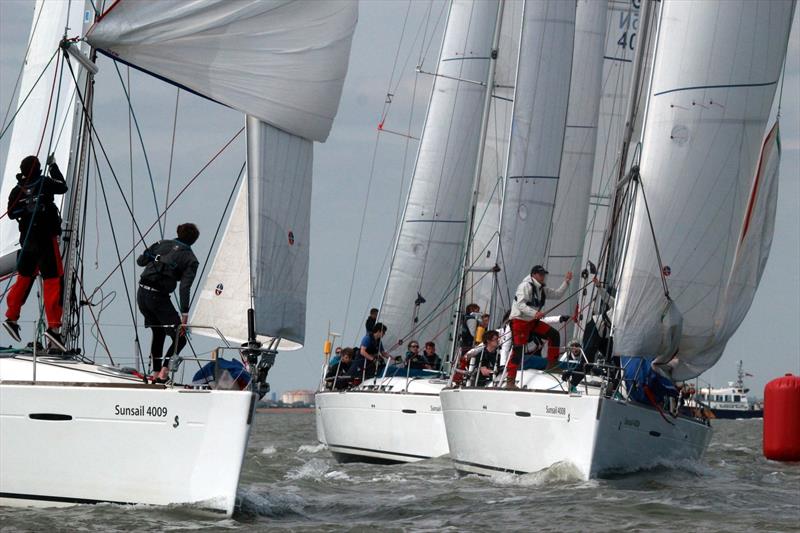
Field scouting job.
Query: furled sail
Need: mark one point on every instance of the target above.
(429, 245)
(537, 136)
(484, 247)
(272, 211)
(577, 162)
(37, 121)
(709, 178)
(283, 61)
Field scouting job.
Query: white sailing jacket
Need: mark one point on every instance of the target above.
(531, 296)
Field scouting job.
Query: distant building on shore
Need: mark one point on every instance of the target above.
(298, 398)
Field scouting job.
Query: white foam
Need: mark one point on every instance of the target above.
(311, 448)
(313, 469)
(268, 450)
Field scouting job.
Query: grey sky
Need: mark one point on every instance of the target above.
(768, 341)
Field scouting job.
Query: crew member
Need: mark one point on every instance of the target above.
(371, 349)
(414, 360)
(32, 204)
(483, 358)
(432, 359)
(371, 319)
(166, 263)
(526, 318)
(338, 375)
(469, 326)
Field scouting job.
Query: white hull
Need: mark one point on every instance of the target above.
(115, 440)
(523, 431)
(383, 425)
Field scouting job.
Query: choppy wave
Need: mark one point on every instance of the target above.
(311, 448)
(268, 450)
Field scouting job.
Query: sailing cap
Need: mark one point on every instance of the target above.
(538, 269)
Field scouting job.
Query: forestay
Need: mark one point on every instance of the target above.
(283, 61)
(537, 137)
(33, 125)
(709, 177)
(429, 245)
(577, 161)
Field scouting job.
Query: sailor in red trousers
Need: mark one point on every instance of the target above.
(526, 319)
(32, 204)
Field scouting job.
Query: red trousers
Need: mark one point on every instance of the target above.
(39, 257)
(521, 331)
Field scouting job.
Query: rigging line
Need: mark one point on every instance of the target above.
(141, 142)
(219, 226)
(24, 100)
(90, 121)
(22, 66)
(433, 32)
(425, 32)
(133, 196)
(171, 203)
(171, 145)
(101, 339)
(399, 46)
(113, 231)
(361, 231)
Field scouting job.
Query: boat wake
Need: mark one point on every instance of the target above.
(558, 473)
(311, 448)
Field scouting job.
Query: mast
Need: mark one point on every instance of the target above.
(487, 101)
(72, 210)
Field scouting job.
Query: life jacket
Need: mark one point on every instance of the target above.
(537, 302)
(466, 337)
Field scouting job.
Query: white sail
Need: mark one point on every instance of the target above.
(717, 65)
(622, 36)
(480, 281)
(429, 246)
(537, 137)
(279, 168)
(283, 61)
(577, 162)
(48, 110)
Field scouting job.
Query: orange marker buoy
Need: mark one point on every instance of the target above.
(782, 419)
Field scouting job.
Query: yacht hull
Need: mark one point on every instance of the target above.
(523, 431)
(381, 426)
(72, 443)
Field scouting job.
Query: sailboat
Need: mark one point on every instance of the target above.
(66, 420)
(447, 246)
(687, 239)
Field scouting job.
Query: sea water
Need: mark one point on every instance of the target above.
(291, 483)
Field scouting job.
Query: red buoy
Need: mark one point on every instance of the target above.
(782, 419)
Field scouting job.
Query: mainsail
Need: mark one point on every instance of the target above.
(577, 162)
(537, 137)
(708, 175)
(283, 63)
(41, 125)
(429, 245)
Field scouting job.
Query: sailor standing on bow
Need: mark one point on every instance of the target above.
(526, 318)
(166, 263)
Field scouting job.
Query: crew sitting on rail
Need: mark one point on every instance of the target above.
(32, 204)
(469, 327)
(526, 318)
(414, 360)
(432, 359)
(370, 353)
(483, 359)
(338, 375)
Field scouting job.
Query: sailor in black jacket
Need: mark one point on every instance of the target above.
(167, 263)
(32, 204)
